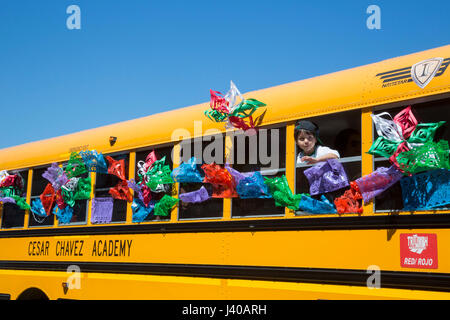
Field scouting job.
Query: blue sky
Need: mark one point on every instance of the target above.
(135, 58)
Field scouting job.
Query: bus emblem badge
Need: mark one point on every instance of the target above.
(417, 244)
(424, 71)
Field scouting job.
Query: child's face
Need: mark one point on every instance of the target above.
(306, 141)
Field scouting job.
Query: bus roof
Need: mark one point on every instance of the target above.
(388, 81)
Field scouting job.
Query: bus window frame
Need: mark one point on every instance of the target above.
(280, 125)
(149, 149)
(26, 212)
(351, 159)
(94, 190)
(177, 162)
(31, 198)
(88, 203)
(384, 108)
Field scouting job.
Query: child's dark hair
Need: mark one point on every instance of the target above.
(307, 127)
(299, 131)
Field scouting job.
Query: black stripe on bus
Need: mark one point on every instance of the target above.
(408, 76)
(391, 221)
(388, 279)
(443, 68)
(387, 76)
(395, 72)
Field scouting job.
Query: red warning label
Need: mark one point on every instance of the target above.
(418, 250)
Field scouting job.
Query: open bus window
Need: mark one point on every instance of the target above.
(80, 208)
(265, 152)
(206, 150)
(340, 132)
(160, 152)
(12, 215)
(103, 183)
(428, 112)
(38, 184)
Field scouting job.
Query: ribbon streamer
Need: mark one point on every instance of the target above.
(140, 211)
(7, 200)
(187, 172)
(253, 187)
(94, 161)
(116, 167)
(281, 193)
(326, 176)
(195, 196)
(377, 182)
(21, 203)
(14, 181)
(311, 205)
(349, 201)
(52, 173)
(427, 157)
(83, 189)
(71, 185)
(164, 205)
(159, 174)
(75, 166)
(427, 190)
(221, 180)
(64, 215)
(37, 208)
(48, 198)
(121, 191)
(60, 200)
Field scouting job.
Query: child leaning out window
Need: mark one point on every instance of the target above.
(311, 149)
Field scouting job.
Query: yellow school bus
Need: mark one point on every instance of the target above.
(231, 248)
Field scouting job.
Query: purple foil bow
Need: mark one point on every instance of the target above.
(7, 200)
(237, 176)
(378, 181)
(56, 176)
(326, 176)
(195, 196)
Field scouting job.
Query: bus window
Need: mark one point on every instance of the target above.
(80, 207)
(206, 150)
(340, 132)
(105, 181)
(12, 215)
(38, 184)
(265, 152)
(160, 153)
(427, 112)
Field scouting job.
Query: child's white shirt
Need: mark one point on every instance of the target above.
(319, 152)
